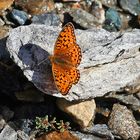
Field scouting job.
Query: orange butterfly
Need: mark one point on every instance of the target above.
(67, 56)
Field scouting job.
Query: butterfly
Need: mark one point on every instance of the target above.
(65, 59)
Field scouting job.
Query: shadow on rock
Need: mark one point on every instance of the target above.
(36, 65)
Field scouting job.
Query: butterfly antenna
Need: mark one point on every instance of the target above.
(21, 42)
(42, 61)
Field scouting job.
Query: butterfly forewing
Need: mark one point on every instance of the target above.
(66, 46)
(74, 54)
(65, 37)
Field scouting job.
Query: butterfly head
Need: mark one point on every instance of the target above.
(51, 58)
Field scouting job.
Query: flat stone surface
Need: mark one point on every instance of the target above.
(81, 112)
(110, 61)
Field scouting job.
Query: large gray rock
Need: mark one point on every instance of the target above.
(110, 61)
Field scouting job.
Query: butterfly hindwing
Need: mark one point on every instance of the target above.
(65, 77)
(61, 80)
(74, 54)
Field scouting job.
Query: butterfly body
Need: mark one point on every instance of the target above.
(66, 58)
(61, 61)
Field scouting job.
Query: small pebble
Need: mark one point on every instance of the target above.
(2, 122)
(113, 20)
(1, 22)
(19, 16)
(50, 19)
(35, 7)
(84, 19)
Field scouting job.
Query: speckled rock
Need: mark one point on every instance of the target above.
(8, 133)
(54, 135)
(83, 136)
(4, 30)
(97, 10)
(86, 19)
(128, 99)
(101, 130)
(132, 7)
(36, 6)
(49, 19)
(113, 20)
(125, 18)
(19, 16)
(5, 4)
(123, 123)
(22, 135)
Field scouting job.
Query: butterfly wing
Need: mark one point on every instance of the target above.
(73, 54)
(65, 37)
(66, 46)
(64, 77)
(68, 53)
(73, 74)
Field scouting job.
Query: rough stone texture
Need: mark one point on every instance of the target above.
(81, 112)
(4, 31)
(6, 113)
(54, 135)
(110, 61)
(86, 19)
(49, 19)
(35, 7)
(2, 122)
(123, 123)
(101, 130)
(109, 3)
(22, 135)
(128, 99)
(83, 136)
(8, 133)
(5, 4)
(132, 7)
